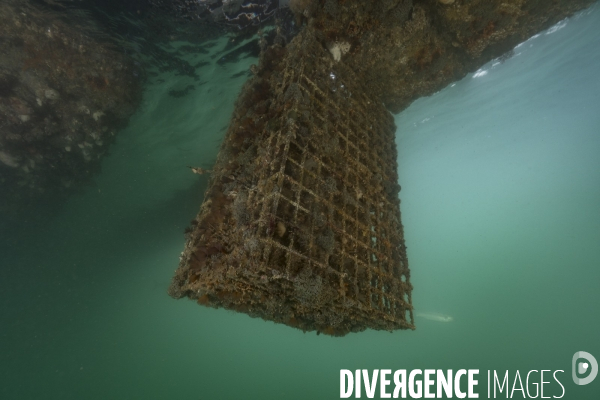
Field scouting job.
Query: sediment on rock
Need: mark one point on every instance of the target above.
(64, 94)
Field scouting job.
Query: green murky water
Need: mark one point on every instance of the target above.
(500, 178)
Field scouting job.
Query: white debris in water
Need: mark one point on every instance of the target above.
(435, 317)
(51, 94)
(8, 160)
(97, 115)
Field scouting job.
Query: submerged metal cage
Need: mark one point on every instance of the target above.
(301, 221)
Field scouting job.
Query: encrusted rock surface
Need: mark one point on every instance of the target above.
(406, 49)
(64, 93)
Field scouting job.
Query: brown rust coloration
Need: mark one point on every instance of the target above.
(301, 224)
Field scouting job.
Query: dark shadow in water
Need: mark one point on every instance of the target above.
(148, 227)
(40, 229)
(250, 49)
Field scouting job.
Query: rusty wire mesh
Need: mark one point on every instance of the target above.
(301, 222)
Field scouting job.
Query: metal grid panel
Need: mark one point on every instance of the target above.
(322, 246)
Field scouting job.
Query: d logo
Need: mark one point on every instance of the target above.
(583, 367)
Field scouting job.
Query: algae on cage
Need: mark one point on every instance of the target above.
(301, 221)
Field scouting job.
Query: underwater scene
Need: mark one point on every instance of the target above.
(121, 128)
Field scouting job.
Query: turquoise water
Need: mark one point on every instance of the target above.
(500, 178)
